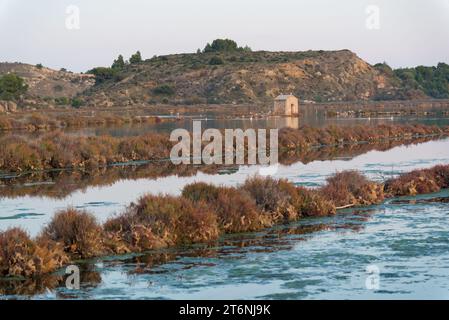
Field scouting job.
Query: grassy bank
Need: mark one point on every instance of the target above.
(52, 121)
(60, 183)
(201, 214)
(57, 150)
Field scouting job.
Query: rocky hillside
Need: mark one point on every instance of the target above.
(247, 77)
(45, 85)
(228, 75)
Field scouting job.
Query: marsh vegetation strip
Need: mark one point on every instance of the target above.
(61, 151)
(311, 259)
(105, 200)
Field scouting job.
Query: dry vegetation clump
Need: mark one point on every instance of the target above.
(348, 188)
(78, 231)
(201, 191)
(38, 121)
(237, 212)
(419, 182)
(17, 155)
(441, 175)
(313, 204)
(235, 209)
(283, 201)
(269, 197)
(21, 256)
(161, 221)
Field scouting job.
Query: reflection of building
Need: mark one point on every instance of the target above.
(286, 105)
(285, 122)
(291, 122)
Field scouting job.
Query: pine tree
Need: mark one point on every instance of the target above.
(135, 58)
(119, 63)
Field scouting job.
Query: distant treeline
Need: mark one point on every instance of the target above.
(433, 81)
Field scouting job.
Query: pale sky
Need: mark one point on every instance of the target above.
(409, 33)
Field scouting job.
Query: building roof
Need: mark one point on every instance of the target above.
(284, 97)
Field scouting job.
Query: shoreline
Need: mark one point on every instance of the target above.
(58, 183)
(58, 150)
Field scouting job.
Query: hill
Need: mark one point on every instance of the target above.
(248, 77)
(47, 86)
(224, 73)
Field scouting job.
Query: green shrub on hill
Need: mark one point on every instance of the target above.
(164, 89)
(103, 74)
(224, 45)
(12, 86)
(135, 58)
(215, 61)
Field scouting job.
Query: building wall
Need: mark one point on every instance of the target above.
(279, 107)
(292, 105)
(286, 107)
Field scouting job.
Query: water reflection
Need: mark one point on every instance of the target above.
(90, 278)
(310, 117)
(59, 184)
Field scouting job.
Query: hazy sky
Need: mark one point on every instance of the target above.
(409, 33)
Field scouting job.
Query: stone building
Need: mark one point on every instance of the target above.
(286, 105)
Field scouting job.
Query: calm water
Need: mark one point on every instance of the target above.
(211, 121)
(315, 258)
(408, 243)
(312, 259)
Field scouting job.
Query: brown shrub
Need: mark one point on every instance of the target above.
(39, 121)
(312, 203)
(237, 211)
(21, 256)
(351, 188)
(290, 207)
(419, 182)
(17, 155)
(266, 192)
(16, 253)
(200, 191)
(77, 230)
(441, 175)
(286, 201)
(159, 221)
